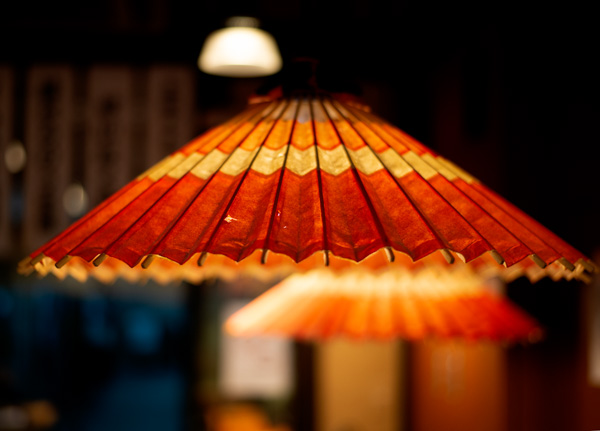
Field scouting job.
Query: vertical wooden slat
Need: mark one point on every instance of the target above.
(171, 97)
(109, 128)
(48, 140)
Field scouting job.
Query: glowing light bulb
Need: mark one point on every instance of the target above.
(240, 50)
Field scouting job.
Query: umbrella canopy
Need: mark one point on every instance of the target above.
(398, 303)
(304, 174)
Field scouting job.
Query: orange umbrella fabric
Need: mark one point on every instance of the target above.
(312, 172)
(432, 302)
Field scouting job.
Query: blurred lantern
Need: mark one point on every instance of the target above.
(431, 302)
(316, 179)
(241, 49)
(75, 200)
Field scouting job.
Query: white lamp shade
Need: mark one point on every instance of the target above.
(240, 52)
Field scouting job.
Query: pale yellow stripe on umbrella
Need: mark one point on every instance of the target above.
(269, 161)
(441, 168)
(301, 162)
(210, 164)
(365, 160)
(186, 165)
(459, 172)
(395, 163)
(159, 170)
(422, 168)
(238, 162)
(334, 161)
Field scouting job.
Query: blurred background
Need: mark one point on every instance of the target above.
(92, 93)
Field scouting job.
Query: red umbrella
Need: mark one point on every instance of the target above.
(301, 174)
(431, 302)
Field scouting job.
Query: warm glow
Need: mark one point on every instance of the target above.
(75, 200)
(15, 157)
(433, 302)
(240, 52)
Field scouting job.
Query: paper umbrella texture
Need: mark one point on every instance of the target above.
(314, 179)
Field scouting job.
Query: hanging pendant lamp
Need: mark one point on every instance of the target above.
(314, 178)
(433, 302)
(241, 49)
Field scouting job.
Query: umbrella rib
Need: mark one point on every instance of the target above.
(433, 189)
(363, 191)
(264, 115)
(532, 254)
(376, 132)
(277, 192)
(412, 203)
(495, 200)
(235, 121)
(82, 221)
(211, 238)
(113, 197)
(320, 184)
(535, 258)
(462, 193)
(212, 176)
(129, 204)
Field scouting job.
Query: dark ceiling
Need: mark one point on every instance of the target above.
(367, 37)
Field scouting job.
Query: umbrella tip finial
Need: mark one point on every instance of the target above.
(497, 257)
(63, 261)
(148, 261)
(101, 258)
(568, 265)
(389, 253)
(263, 257)
(538, 261)
(447, 255)
(37, 259)
(202, 258)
